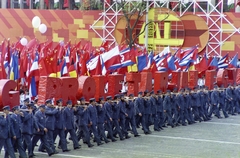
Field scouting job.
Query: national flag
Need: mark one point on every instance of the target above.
(233, 62)
(51, 63)
(213, 64)
(111, 57)
(14, 70)
(34, 70)
(32, 88)
(42, 67)
(150, 60)
(189, 56)
(142, 62)
(202, 65)
(171, 63)
(223, 62)
(98, 70)
(64, 70)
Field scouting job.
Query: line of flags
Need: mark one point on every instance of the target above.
(26, 64)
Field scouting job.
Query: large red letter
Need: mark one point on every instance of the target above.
(232, 73)
(146, 81)
(114, 85)
(69, 89)
(8, 96)
(193, 79)
(87, 87)
(184, 80)
(210, 78)
(175, 82)
(222, 77)
(133, 79)
(160, 81)
(100, 86)
(49, 87)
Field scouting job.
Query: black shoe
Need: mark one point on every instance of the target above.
(33, 154)
(114, 140)
(30, 156)
(161, 128)
(137, 135)
(184, 124)
(127, 137)
(226, 116)
(50, 154)
(165, 126)
(90, 145)
(219, 117)
(115, 136)
(157, 130)
(172, 126)
(59, 147)
(233, 114)
(107, 141)
(122, 138)
(194, 122)
(100, 143)
(56, 152)
(67, 150)
(76, 148)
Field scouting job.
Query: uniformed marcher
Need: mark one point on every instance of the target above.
(153, 104)
(214, 101)
(60, 126)
(27, 128)
(40, 130)
(140, 110)
(167, 108)
(181, 105)
(6, 133)
(230, 99)
(50, 113)
(174, 108)
(123, 115)
(17, 135)
(83, 121)
(109, 114)
(101, 119)
(25, 103)
(116, 117)
(92, 110)
(68, 114)
(131, 117)
(147, 108)
(160, 113)
(195, 104)
(222, 101)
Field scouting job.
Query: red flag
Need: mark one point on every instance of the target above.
(98, 70)
(42, 67)
(3, 74)
(84, 59)
(51, 63)
(202, 65)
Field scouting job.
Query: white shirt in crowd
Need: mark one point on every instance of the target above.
(201, 82)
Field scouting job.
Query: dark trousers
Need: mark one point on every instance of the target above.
(44, 140)
(73, 136)
(8, 147)
(175, 115)
(160, 116)
(196, 113)
(93, 128)
(101, 131)
(28, 143)
(186, 115)
(141, 119)
(19, 144)
(215, 109)
(155, 121)
(201, 112)
(61, 134)
(84, 133)
(181, 115)
(117, 128)
(109, 128)
(223, 107)
(168, 117)
(132, 123)
(123, 126)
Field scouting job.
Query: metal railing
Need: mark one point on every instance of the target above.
(70, 4)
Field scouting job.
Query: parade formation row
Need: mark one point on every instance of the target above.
(108, 119)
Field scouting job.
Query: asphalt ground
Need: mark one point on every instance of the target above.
(217, 138)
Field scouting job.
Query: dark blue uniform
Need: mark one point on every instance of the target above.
(27, 131)
(69, 122)
(188, 109)
(102, 114)
(16, 123)
(60, 127)
(109, 115)
(167, 110)
(195, 104)
(153, 104)
(174, 109)
(160, 111)
(39, 133)
(181, 104)
(123, 113)
(222, 103)
(131, 117)
(147, 108)
(116, 117)
(140, 109)
(214, 104)
(230, 100)
(92, 110)
(5, 136)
